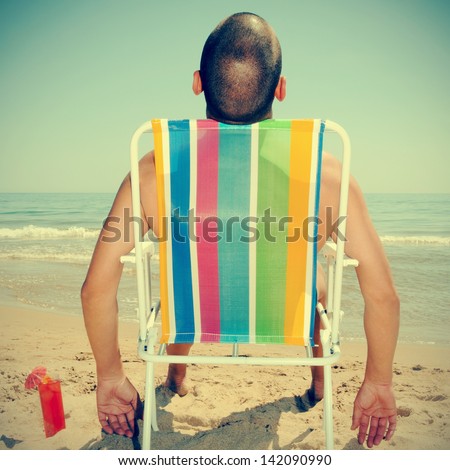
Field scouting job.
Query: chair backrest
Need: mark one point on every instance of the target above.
(239, 210)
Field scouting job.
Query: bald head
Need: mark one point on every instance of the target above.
(240, 68)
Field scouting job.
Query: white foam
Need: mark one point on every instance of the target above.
(45, 233)
(40, 256)
(415, 240)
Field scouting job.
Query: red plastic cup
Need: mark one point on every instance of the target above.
(52, 407)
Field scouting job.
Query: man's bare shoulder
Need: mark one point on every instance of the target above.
(147, 177)
(331, 183)
(147, 162)
(331, 169)
(330, 180)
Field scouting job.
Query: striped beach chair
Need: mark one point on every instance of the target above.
(238, 210)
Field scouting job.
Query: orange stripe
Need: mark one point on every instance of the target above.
(159, 167)
(300, 170)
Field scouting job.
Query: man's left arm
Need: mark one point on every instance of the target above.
(374, 412)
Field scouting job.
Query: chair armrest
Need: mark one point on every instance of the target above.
(329, 249)
(156, 308)
(148, 247)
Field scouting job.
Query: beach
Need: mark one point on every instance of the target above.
(228, 407)
(79, 78)
(46, 241)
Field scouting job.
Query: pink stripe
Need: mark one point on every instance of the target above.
(207, 250)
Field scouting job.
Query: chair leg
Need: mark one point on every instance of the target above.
(149, 405)
(328, 408)
(154, 417)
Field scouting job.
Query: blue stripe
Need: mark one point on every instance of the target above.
(179, 138)
(316, 229)
(233, 206)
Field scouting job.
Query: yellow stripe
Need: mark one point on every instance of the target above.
(159, 167)
(300, 170)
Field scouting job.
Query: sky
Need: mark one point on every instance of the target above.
(78, 77)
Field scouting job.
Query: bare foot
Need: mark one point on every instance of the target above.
(311, 397)
(175, 379)
(316, 390)
(306, 401)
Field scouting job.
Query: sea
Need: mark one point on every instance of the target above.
(47, 239)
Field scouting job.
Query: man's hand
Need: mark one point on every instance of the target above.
(375, 413)
(118, 405)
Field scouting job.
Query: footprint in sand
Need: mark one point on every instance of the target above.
(403, 411)
(434, 397)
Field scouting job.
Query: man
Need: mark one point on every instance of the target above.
(240, 74)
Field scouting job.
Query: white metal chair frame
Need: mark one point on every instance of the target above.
(330, 317)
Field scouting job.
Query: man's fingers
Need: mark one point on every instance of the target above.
(363, 425)
(372, 431)
(392, 426)
(114, 424)
(131, 417)
(356, 418)
(103, 419)
(124, 425)
(121, 424)
(375, 430)
(381, 431)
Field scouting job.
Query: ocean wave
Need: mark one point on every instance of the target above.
(415, 240)
(34, 256)
(47, 233)
(63, 256)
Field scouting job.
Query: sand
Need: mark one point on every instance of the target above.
(228, 407)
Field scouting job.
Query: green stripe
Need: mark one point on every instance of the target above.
(271, 250)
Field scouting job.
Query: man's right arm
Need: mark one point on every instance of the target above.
(117, 400)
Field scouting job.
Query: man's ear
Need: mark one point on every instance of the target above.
(197, 86)
(280, 91)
